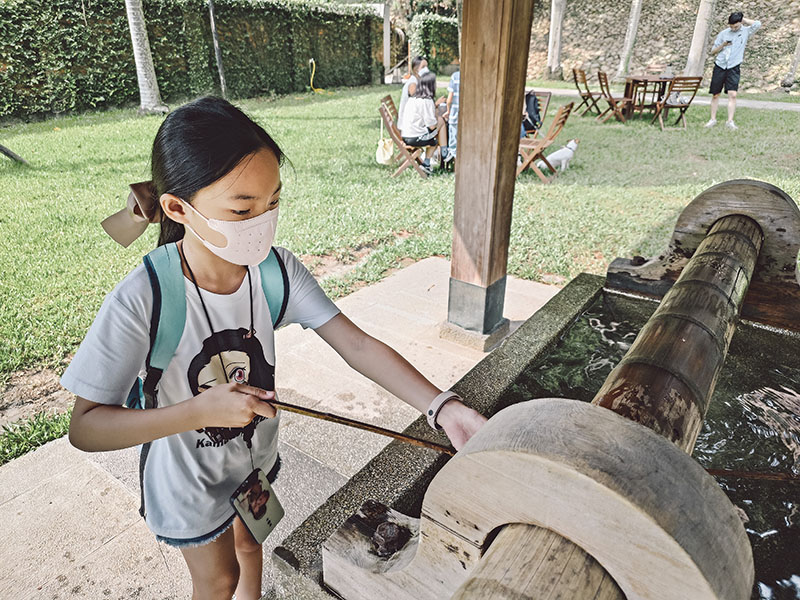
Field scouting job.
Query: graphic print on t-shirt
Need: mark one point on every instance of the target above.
(234, 356)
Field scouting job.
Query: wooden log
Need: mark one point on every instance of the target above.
(509, 573)
(666, 379)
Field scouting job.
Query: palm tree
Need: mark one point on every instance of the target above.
(217, 52)
(149, 96)
(698, 51)
(630, 38)
(557, 9)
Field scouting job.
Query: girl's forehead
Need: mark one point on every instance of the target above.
(257, 176)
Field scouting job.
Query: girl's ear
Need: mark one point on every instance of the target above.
(173, 207)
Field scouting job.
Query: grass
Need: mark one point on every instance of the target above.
(620, 197)
(23, 436)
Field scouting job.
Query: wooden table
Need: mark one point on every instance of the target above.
(644, 84)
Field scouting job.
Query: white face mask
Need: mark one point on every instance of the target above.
(423, 70)
(249, 241)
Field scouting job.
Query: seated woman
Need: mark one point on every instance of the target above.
(419, 125)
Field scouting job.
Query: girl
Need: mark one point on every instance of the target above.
(215, 190)
(419, 124)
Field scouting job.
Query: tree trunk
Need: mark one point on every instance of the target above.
(217, 52)
(557, 9)
(630, 39)
(459, 12)
(149, 96)
(789, 80)
(698, 51)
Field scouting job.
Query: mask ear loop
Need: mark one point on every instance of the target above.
(197, 235)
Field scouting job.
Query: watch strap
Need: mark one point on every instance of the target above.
(436, 406)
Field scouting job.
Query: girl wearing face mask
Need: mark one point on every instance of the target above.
(216, 193)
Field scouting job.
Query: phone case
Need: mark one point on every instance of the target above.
(257, 505)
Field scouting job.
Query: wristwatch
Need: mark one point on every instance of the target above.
(436, 407)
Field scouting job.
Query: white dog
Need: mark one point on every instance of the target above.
(560, 158)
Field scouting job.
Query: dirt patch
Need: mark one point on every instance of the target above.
(30, 392)
(323, 266)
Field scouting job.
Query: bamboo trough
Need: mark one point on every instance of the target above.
(556, 498)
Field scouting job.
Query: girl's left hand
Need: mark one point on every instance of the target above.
(459, 422)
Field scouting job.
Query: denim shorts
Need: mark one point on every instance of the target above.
(202, 540)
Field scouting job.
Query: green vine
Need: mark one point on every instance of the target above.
(60, 56)
(436, 38)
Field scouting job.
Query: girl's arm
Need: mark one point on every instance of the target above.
(98, 427)
(377, 361)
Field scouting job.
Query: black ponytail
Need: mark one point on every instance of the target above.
(198, 144)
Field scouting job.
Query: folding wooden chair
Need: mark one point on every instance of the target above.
(409, 155)
(679, 85)
(388, 102)
(588, 97)
(616, 106)
(532, 150)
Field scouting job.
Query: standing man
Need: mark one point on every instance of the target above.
(729, 50)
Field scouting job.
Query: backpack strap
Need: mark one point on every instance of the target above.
(275, 283)
(166, 328)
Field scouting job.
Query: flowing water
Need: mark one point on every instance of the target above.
(752, 424)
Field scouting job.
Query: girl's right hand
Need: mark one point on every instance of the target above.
(232, 405)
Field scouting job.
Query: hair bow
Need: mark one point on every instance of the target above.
(129, 223)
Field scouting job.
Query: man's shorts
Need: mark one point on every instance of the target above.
(428, 139)
(727, 78)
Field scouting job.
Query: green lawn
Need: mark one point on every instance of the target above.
(620, 197)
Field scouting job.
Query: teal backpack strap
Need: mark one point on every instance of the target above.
(169, 304)
(166, 328)
(275, 283)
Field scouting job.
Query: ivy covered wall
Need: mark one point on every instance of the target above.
(61, 55)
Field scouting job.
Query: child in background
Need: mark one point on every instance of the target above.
(420, 126)
(410, 86)
(452, 112)
(216, 188)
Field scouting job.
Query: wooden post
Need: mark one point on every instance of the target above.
(495, 39)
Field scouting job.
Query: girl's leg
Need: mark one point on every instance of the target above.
(442, 134)
(213, 567)
(250, 555)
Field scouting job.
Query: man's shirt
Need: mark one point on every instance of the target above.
(733, 55)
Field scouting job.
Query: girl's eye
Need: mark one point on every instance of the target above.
(241, 212)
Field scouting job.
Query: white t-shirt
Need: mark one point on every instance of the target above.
(419, 118)
(188, 477)
(404, 97)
